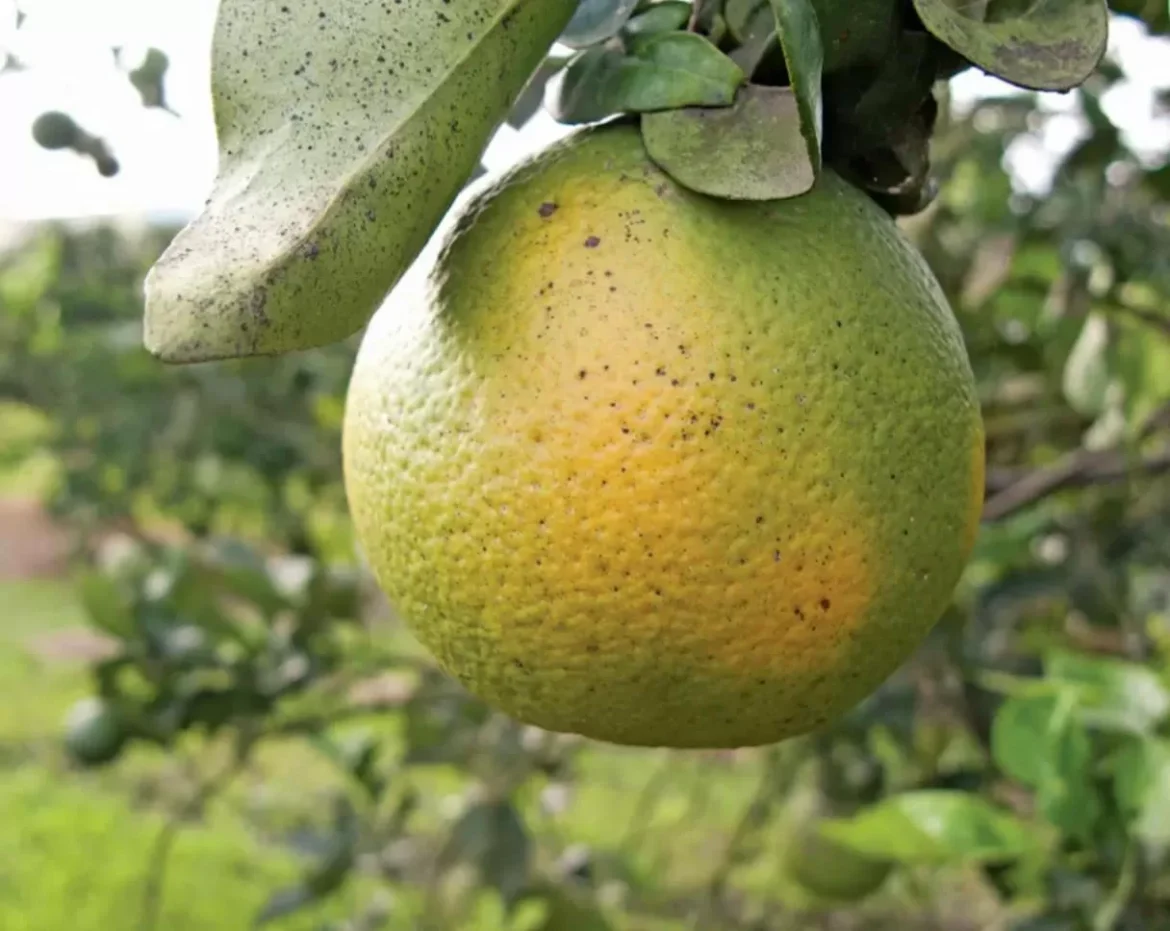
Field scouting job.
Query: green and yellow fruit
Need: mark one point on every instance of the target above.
(662, 469)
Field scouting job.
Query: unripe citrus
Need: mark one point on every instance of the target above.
(663, 469)
(94, 732)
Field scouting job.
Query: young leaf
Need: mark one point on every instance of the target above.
(934, 826)
(595, 21)
(752, 150)
(345, 133)
(1050, 45)
(661, 72)
(800, 40)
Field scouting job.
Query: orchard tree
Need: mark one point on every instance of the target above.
(1025, 741)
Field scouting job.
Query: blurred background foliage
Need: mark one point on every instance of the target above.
(209, 717)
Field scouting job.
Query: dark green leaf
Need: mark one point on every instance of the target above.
(752, 150)
(595, 21)
(659, 17)
(326, 877)
(1053, 45)
(149, 79)
(492, 836)
(800, 39)
(934, 827)
(857, 33)
(660, 72)
(284, 902)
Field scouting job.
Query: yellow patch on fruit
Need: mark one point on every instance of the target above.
(661, 469)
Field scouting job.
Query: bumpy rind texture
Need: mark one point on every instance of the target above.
(662, 469)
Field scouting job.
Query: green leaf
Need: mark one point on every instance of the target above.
(659, 17)
(1040, 44)
(857, 33)
(1117, 695)
(753, 26)
(800, 40)
(659, 72)
(595, 21)
(345, 132)
(106, 604)
(934, 827)
(327, 876)
(566, 909)
(1021, 733)
(1140, 359)
(531, 99)
(492, 836)
(1086, 370)
(752, 150)
(1040, 741)
(1141, 784)
(149, 79)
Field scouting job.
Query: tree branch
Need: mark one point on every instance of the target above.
(1075, 470)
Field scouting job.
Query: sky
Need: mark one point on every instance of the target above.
(168, 162)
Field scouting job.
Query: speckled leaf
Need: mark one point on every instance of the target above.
(752, 150)
(800, 40)
(345, 132)
(595, 21)
(1040, 44)
(665, 16)
(660, 72)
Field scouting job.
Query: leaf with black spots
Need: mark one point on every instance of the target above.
(1038, 44)
(752, 150)
(346, 131)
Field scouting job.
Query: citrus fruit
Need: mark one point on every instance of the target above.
(94, 732)
(662, 469)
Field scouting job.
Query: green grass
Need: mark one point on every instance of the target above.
(35, 692)
(77, 859)
(74, 853)
(25, 470)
